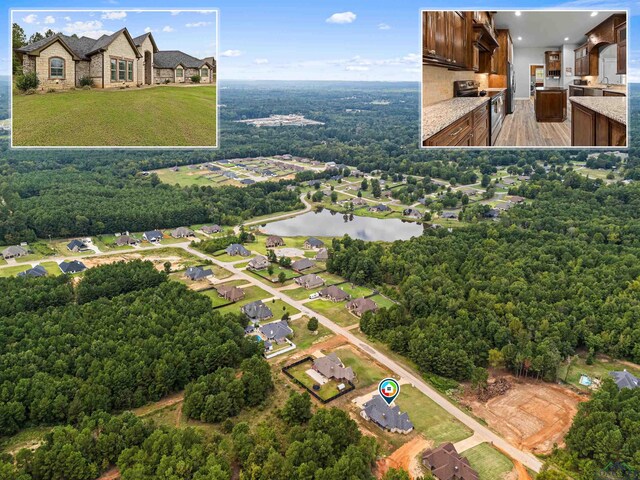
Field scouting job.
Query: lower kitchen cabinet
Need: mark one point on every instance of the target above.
(592, 129)
(472, 130)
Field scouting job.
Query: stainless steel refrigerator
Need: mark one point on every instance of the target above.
(511, 88)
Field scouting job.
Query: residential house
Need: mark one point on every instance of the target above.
(625, 379)
(14, 251)
(124, 240)
(153, 236)
(515, 199)
(412, 212)
(198, 273)
(256, 311)
(233, 294)
(111, 61)
(322, 255)
(259, 263)
(334, 294)
(445, 463)
(276, 331)
(76, 246)
(449, 214)
(74, 266)
(237, 249)
(330, 366)
(309, 281)
(385, 416)
(210, 229)
(492, 213)
(37, 271)
(360, 306)
(182, 232)
(358, 201)
(302, 264)
(380, 208)
(313, 243)
(274, 241)
(247, 181)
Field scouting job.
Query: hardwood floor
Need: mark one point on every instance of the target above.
(520, 129)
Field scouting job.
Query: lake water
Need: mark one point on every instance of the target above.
(331, 224)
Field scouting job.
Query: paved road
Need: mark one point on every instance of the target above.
(480, 431)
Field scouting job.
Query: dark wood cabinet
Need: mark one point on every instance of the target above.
(551, 105)
(481, 126)
(553, 63)
(445, 39)
(589, 129)
(609, 93)
(621, 41)
(581, 61)
(504, 53)
(470, 130)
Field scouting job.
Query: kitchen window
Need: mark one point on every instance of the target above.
(56, 67)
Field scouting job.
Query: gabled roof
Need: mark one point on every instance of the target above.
(259, 262)
(140, 40)
(14, 251)
(79, 244)
(173, 58)
(237, 249)
(257, 311)
(334, 292)
(331, 366)
(198, 273)
(125, 240)
(385, 416)
(153, 235)
(37, 271)
(446, 463)
(104, 41)
(314, 242)
(362, 305)
(181, 232)
(311, 280)
(625, 379)
(302, 264)
(323, 254)
(276, 331)
(211, 229)
(74, 266)
(36, 47)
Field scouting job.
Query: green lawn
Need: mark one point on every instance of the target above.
(600, 370)
(216, 299)
(301, 293)
(355, 291)
(430, 419)
(251, 294)
(383, 302)
(326, 391)
(13, 270)
(367, 372)
(131, 117)
(336, 312)
(488, 462)
(303, 338)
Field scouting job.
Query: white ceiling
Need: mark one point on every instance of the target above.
(549, 28)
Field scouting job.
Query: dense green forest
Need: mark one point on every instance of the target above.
(558, 274)
(324, 446)
(132, 337)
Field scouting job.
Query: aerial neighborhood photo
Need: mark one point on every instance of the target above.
(114, 82)
(317, 296)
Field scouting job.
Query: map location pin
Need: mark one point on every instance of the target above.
(388, 389)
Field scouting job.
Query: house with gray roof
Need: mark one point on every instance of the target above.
(124, 240)
(310, 280)
(74, 266)
(14, 251)
(111, 61)
(259, 262)
(77, 246)
(385, 416)
(334, 294)
(256, 311)
(302, 264)
(445, 463)
(274, 241)
(210, 229)
(153, 236)
(237, 249)
(182, 232)
(37, 271)
(313, 243)
(360, 306)
(625, 379)
(198, 273)
(276, 331)
(322, 255)
(380, 208)
(330, 366)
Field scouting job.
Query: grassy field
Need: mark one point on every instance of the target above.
(131, 117)
(600, 370)
(430, 419)
(488, 462)
(367, 372)
(51, 268)
(334, 311)
(325, 392)
(303, 338)
(251, 294)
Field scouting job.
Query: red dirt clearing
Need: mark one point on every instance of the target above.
(405, 457)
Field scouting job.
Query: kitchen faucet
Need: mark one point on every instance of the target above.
(607, 82)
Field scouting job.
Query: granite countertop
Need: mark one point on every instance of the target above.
(611, 88)
(442, 114)
(551, 89)
(613, 107)
(494, 89)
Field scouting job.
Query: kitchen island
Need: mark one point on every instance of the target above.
(551, 104)
(599, 121)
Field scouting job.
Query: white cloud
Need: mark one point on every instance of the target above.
(167, 29)
(33, 18)
(231, 53)
(175, 12)
(148, 30)
(49, 19)
(67, 19)
(91, 29)
(383, 26)
(261, 61)
(114, 15)
(343, 17)
(197, 24)
(356, 68)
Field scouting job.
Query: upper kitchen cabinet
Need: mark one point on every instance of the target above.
(553, 63)
(582, 60)
(504, 53)
(621, 41)
(605, 33)
(446, 39)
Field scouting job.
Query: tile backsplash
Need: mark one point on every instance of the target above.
(437, 83)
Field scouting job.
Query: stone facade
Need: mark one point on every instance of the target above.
(83, 69)
(120, 49)
(42, 68)
(146, 49)
(161, 75)
(97, 63)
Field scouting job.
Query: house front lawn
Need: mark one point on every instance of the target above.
(158, 116)
(336, 312)
(367, 372)
(326, 391)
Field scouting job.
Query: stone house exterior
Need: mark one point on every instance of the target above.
(112, 61)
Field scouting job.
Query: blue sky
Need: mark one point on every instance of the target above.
(292, 39)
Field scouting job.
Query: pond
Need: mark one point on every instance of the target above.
(326, 223)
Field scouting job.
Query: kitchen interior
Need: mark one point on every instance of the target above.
(524, 78)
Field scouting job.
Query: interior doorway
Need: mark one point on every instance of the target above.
(536, 78)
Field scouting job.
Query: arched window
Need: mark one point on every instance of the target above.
(204, 72)
(179, 72)
(56, 67)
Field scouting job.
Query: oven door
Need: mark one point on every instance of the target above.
(497, 115)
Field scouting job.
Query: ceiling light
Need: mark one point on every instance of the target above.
(518, 13)
(566, 39)
(519, 38)
(593, 14)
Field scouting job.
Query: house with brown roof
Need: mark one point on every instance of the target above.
(210, 229)
(330, 366)
(445, 463)
(233, 294)
(334, 294)
(110, 61)
(182, 232)
(274, 241)
(359, 306)
(302, 264)
(322, 255)
(124, 240)
(259, 262)
(309, 281)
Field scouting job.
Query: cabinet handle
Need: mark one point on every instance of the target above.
(456, 132)
(432, 52)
